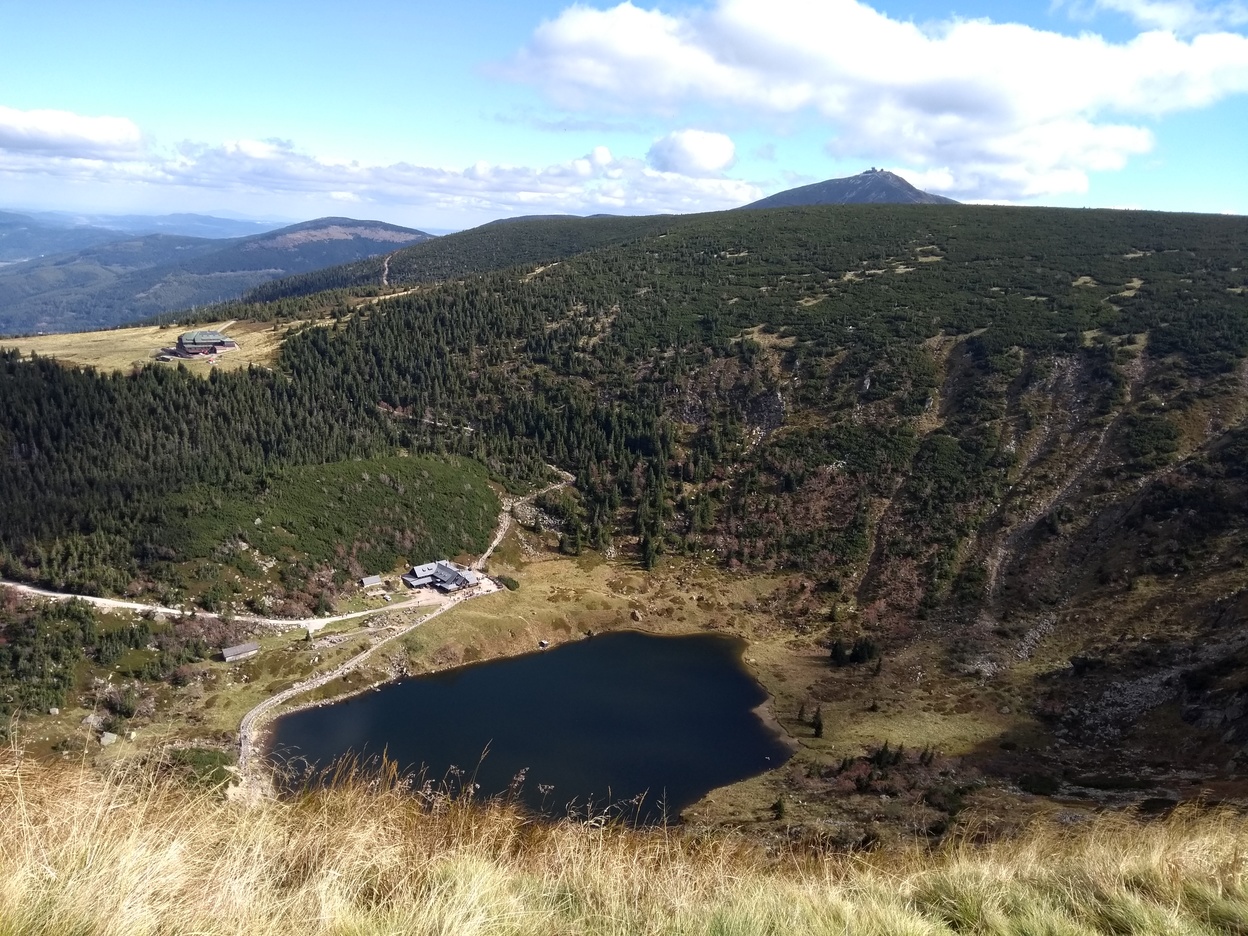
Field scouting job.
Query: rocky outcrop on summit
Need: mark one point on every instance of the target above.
(875, 186)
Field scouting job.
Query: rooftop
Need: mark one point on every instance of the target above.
(242, 650)
(204, 336)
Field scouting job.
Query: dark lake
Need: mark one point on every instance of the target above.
(621, 717)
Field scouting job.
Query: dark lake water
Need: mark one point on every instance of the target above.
(602, 722)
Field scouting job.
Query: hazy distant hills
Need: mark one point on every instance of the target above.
(183, 223)
(35, 234)
(23, 237)
(875, 186)
(125, 279)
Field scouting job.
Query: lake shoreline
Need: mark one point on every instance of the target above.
(765, 710)
(582, 674)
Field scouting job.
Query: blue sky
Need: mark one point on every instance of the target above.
(445, 116)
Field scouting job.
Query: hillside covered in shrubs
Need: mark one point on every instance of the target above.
(1013, 436)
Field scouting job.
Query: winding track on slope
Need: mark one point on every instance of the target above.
(255, 718)
(114, 604)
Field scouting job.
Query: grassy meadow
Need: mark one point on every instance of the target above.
(122, 349)
(145, 852)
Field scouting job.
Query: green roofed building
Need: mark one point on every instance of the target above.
(204, 341)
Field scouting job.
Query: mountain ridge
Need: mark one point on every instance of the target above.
(983, 468)
(494, 245)
(125, 279)
(25, 237)
(873, 187)
(186, 223)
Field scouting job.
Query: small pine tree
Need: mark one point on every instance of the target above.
(649, 553)
(817, 721)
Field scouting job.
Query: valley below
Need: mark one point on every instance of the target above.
(969, 486)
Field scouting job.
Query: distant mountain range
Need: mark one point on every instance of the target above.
(91, 271)
(23, 237)
(875, 186)
(184, 223)
(123, 279)
(35, 234)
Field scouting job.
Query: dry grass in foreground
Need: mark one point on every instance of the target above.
(132, 854)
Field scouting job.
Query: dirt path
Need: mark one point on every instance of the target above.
(248, 728)
(114, 604)
(504, 517)
(283, 624)
(377, 300)
(385, 271)
(252, 721)
(255, 719)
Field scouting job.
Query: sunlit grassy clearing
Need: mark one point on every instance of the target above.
(133, 854)
(120, 349)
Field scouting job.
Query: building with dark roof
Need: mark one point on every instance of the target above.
(420, 576)
(443, 575)
(203, 342)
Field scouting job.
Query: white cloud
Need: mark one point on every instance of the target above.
(1001, 110)
(692, 152)
(1179, 16)
(597, 181)
(60, 133)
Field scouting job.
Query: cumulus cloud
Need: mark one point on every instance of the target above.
(1001, 110)
(597, 181)
(692, 152)
(60, 133)
(1179, 16)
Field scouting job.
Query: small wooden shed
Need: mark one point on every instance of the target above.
(241, 652)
